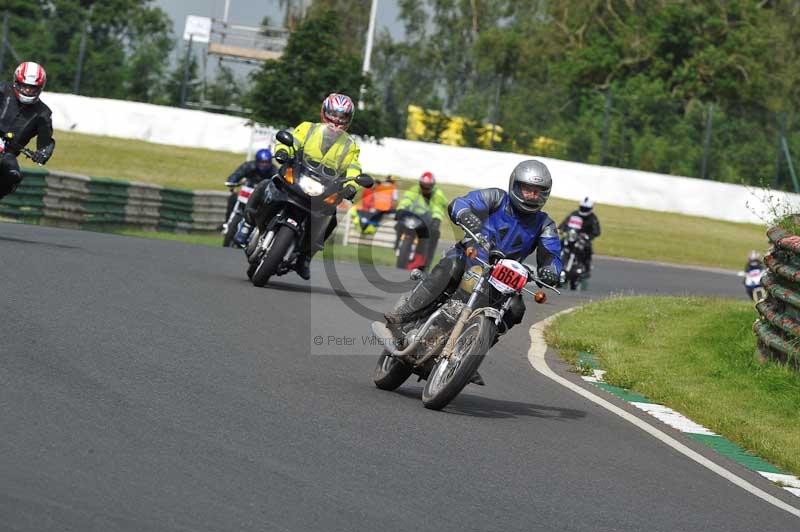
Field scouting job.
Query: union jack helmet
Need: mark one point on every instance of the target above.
(337, 110)
(29, 80)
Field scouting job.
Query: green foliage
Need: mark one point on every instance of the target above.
(225, 90)
(127, 44)
(664, 62)
(290, 90)
(174, 82)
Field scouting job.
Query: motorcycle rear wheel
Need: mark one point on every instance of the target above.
(390, 373)
(273, 256)
(449, 376)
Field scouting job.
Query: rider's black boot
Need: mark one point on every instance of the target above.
(303, 267)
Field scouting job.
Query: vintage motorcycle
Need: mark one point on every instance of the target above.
(448, 344)
(230, 227)
(413, 228)
(310, 194)
(573, 253)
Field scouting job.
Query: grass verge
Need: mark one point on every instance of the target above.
(627, 232)
(695, 355)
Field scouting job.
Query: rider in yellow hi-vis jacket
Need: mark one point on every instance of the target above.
(327, 144)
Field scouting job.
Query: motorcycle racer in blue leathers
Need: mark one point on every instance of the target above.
(513, 222)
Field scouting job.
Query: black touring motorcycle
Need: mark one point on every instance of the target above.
(448, 344)
(311, 193)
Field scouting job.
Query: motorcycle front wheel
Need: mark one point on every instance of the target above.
(390, 373)
(404, 251)
(233, 227)
(273, 256)
(449, 376)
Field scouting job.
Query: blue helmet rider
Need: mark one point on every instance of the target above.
(264, 162)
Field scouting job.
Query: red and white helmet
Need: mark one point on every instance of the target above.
(29, 80)
(427, 181)
(337, 110)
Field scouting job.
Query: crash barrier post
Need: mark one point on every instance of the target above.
(778, 327)
(61, 198)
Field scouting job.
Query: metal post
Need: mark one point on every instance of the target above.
(606, 118)
(186, 71)
(790, 164)
(777, 181)
(76, 87)
(373, 12)
(227, 11)
(707, 141)
(3, 41)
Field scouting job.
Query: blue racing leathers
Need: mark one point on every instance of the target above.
(516, 235)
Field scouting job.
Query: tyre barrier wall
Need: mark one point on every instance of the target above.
(58, 198)
(778, 326)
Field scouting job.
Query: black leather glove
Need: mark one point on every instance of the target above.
(470, 220)
(349, 192)
(548, 276)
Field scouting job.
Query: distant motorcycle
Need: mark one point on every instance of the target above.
(573, 258)
(413, 229)
(230, 227)
(753, 284)
(312, 193)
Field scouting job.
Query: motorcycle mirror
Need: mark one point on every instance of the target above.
(365, 181)
(284, 137)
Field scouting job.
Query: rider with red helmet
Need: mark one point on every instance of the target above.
(23, 115)
(426, 197)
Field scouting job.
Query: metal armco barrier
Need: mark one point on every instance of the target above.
(60, 198)
(778, 326)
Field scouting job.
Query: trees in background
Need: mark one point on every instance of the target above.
(290, 90)
(127, 44)
(626, 82)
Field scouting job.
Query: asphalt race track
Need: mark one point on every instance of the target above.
(146, 385)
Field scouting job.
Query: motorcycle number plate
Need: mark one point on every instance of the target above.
(575, 222)
(509, 276)
(244, 193)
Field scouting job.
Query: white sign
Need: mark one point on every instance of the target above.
(261, 137)
(197, 28)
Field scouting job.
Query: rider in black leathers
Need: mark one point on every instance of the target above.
(25, 116)
(585, 222)
(255, 171)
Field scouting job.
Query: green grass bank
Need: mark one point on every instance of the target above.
(627, 232)
(697, 356)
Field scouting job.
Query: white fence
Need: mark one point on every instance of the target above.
(466, 166)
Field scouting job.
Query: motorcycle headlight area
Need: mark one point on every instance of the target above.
(311, 186)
